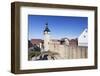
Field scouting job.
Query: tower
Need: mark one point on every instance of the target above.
(46, 37)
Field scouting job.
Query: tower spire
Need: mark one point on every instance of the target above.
(46, 28)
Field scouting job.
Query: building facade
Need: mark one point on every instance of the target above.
(83, 38)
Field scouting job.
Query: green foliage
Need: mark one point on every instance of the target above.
(33, 54)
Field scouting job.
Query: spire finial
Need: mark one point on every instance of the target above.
(46, 24)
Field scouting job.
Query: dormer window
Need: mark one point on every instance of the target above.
(84, 36)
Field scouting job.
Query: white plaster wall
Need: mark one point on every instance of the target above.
(83, 41)
(46, 41)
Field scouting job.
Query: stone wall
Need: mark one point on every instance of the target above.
(69, 52)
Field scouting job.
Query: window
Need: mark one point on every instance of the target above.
(84, 36)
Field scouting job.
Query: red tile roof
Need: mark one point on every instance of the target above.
(36, 41)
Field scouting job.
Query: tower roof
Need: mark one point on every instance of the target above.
(46, 28)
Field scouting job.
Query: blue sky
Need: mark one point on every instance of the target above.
(60, 26)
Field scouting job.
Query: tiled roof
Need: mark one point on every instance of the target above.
(36, 41)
